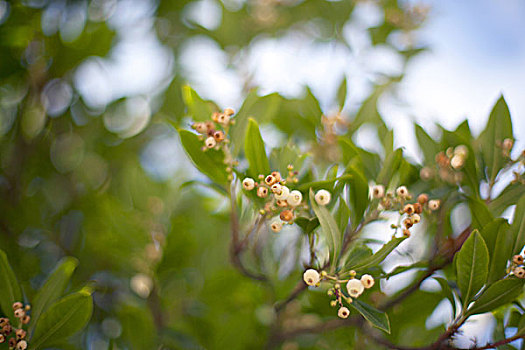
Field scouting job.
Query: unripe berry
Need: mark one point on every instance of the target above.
(276, 225)
(248, 184)
(378, 191)
(457, 161)
(294, 198)
(26, 319)
(218, 136)
(276, 188)
(210, 142)
(311, 277)
(280, 203)
(517, 259)
(416, 218)
(270, 180)
(21, 345)
(461, 151)
(19, 313)
(355, 288)
(229, 111)
(418, 209)
(262, 191)
(20, 334)
(409, 209)
(283, 195)
(286, 215)
(367, 281)
(322, 197)
(343, 312)
(17, 305)
(402, 192)
(223, 119)
(333, 303)
(519, 272)
(422, 198)
(434, 204)
(276, 175)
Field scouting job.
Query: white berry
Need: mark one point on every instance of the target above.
(248, 184)
(367, 281)
(276, 225)
(294, 198)
(343, 312)
(283, 195)
(322, 197)
(355, 288)
(378, 191)
(311, 277)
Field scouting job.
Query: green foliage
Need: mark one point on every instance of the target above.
(254, 150)
(377, 318)
(10, 291)
(498, 294)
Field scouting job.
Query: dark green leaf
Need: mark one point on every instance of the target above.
(479, 213)
(509, 196)
(499, 127)
(498, 294)
(209, 162)
(357, 253)
(500, 251)
(378, 319)
(330, 230)
(379, 256)
(472, 266)
(52, 288)
(254, 150)
(308, 225)
(517, 229)
(9, 288)
(358, 194)
(63, 319)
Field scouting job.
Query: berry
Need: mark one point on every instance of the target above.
(378, 191)
(294, 198)
(434, 204)
(402, 192)
(283, 195)
(311, 277)
(343, 312)
(210, 142)
(276, 225)
(248, 184)
(355, 288)
(322, 197)
(367, 281)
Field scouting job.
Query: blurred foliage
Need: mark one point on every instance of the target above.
(153, 253)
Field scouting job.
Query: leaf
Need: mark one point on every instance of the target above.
(357, 253)
(137, 320)
(499, 127)
(379, 256)
(377, 318)
(254, 150)
(358, 194)
(341, 93)
(330, 230)
(322, 184)
(198, 109)
(447, 293)
(9, 288)
(509, 196)
(307, 225)
(496, 295)
(501, 252)
(342, 215)
(52, 288)
(428, 146)
(480, 213)
(517, 229)
(521, 325)
(472, 265)
(63, 319)
(390, 166)
(209, 162)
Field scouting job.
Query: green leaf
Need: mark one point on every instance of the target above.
(63, 319)
(496, 295)
(137, 320)
(52, 288)
(378, 319)
(341, 93)
(428, 146)
(500, 251)
(479, 213)
(342, 215)
(509, 196)
(209, 162)
(517, 229)
(254, 150)
(499, 127)
(9, 288)
(379, 256)
(357, 253)
(390, 166)
(358, 194)
(447, 293)
(472, 265)
(307, 225)
(198, 109)
(521, 325)
(330, 230)
(323, 184)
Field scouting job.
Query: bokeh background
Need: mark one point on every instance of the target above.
(91, 164)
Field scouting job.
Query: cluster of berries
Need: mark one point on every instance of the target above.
(17, 341)
(210, 130)
(517, 266)
(280, 198)
(354, 287)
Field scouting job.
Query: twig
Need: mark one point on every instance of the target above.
(501, 342)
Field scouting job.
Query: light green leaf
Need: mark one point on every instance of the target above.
(472, 266)
(498, 294)
(209, 162)
(63, 319)
(517, 229)
(479, 213)
(198, 109)
(499, 127)
(379, 256)
(330, 230)
(358, 194)
(52, 288)
(447, 293)
(9, 288)
(341, 93)
(254, 150)
(378, 319)
(390, 166)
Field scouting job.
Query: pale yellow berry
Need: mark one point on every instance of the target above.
(229, 111)
(223, 119)
(402, 192)
(367, 281)
(415, 218)
(210, 142)
(434, 204)
(311, 277)
(21, 345)
(519, 272)
(248, 184)
(355, 288)
(276, 188)
(378, 191)
(457, 161)
(343, 312)
(294, 198)
(322, 197)
(262, 191)
(276, 225)
(283, 195)
(461, 151)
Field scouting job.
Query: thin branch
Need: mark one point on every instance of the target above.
(501, 342)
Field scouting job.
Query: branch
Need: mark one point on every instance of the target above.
(501, 342)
